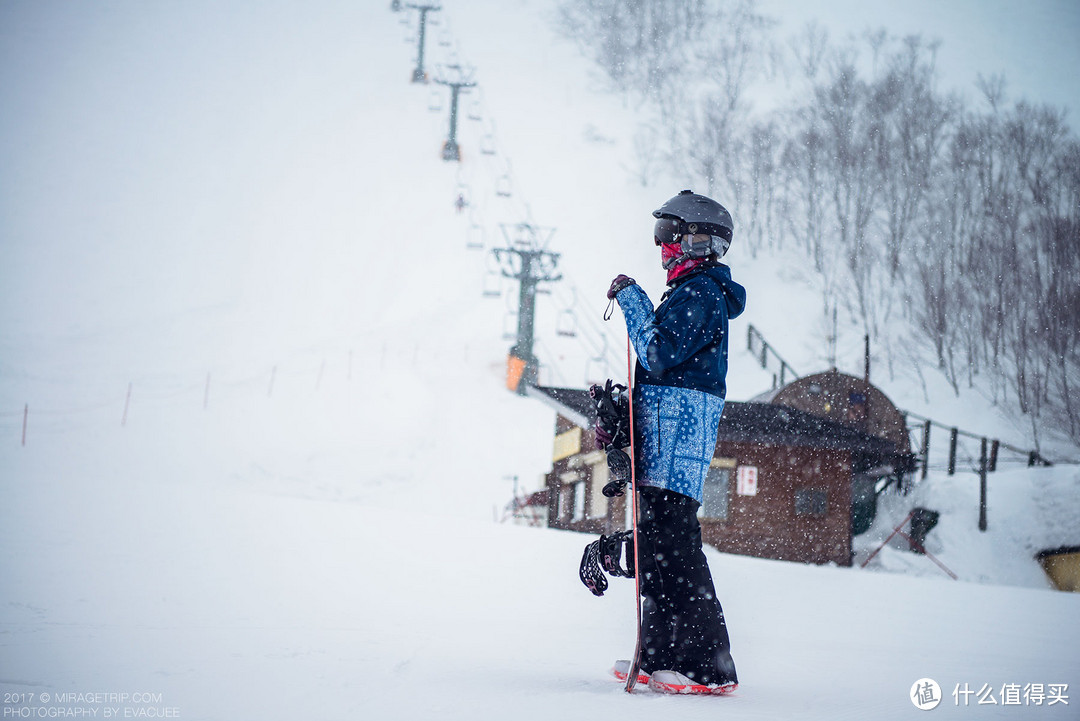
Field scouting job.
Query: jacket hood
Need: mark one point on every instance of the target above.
(734, 293)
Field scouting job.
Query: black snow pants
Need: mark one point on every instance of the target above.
(682, 623)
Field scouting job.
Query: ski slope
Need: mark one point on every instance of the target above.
(237, 599)
(266, 436)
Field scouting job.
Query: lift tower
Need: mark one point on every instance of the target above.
(450, 149)
(419, 74)
(530, 265)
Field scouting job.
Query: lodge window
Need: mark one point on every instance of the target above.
(579, 501)
(598, 502)
(714, 494)
(811, 502)
(566, 502)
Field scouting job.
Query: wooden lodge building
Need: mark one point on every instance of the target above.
(794, 477)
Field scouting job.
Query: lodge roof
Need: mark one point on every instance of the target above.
(761, 423)
(572, 403)
(776, 424)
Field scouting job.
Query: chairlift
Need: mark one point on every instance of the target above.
(444, 39)
(566, 324)
(461, 198)
(523, 238)
(595, 370)
(510, 326)
(502, 186)
(474, 112)
(487, 144)
(475, 237)
(435, 101)
(596, 367)
(491, 286)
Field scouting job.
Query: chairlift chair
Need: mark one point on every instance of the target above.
(566, 324)
(475, 238)
(491, 286)
(435, 101)
(595, 368)
(474, 110)
(510, 326)
(523, 236)
(461, 197)
(502, 186)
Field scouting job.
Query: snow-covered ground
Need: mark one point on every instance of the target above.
(266, 435)
(257, 596)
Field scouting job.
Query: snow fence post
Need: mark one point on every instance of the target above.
(952, 451)
(982, 485)
(925, 449)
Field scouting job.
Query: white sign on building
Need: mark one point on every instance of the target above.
(746, 480)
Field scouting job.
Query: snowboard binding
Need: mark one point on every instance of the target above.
(613, 433)
(619, 471)
(604, 554)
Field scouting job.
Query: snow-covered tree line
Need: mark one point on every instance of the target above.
(910, 204)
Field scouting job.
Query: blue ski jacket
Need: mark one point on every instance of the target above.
(680, 380)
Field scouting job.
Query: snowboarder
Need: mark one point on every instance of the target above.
(678, 396)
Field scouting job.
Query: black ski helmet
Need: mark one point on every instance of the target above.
(695, 214)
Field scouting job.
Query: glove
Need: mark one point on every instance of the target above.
(620, 282)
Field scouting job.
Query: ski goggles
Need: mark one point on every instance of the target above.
(667, 231)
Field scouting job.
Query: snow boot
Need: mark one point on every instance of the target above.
(674, 682)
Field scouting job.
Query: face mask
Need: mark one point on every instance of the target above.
(671, 251)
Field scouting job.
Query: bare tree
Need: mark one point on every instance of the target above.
(965, 222)
(850, 132)
(913, 133)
